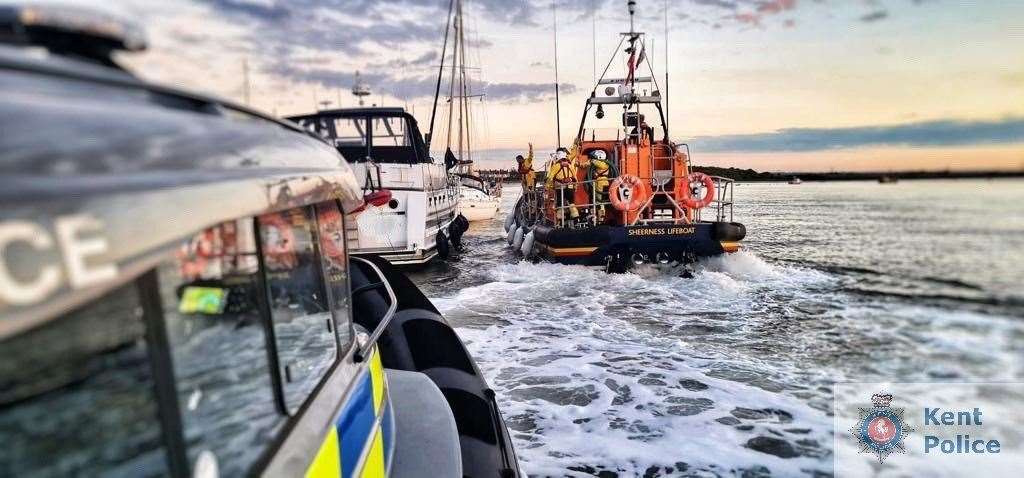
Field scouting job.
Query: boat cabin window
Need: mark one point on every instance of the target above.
(348, 132)
(390, 131)
(303, 324)
(77, 395)
(211, 296)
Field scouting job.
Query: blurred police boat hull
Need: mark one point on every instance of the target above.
(387, 151)
(174, 255)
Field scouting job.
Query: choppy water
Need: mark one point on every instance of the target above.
(730, 373)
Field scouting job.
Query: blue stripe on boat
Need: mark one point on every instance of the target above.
(354, 425)
(387, 427)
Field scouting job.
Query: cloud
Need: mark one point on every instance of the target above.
(418, 87)
(922, 134)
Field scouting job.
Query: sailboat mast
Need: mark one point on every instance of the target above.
(451, 84)
(467, 90)
(462, 82)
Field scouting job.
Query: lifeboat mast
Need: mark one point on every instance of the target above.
(623, 91)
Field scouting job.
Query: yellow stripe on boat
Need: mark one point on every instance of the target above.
(572, 251)
(377, 381)
(730, 246)
(374, 465)
(327, 463)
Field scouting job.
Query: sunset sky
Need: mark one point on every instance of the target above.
(777, 85)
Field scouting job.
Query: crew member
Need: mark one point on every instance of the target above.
(600, 172)
(561, 179)
(526, 169)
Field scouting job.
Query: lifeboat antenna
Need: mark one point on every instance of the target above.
(558, 113)
(666, 67)
(593, 36)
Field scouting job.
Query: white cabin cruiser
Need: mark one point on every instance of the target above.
(387, 152)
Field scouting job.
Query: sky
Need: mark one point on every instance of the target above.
(773, 85)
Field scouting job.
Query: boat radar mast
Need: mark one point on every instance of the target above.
(360, 89)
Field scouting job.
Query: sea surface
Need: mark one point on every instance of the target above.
(731, 373)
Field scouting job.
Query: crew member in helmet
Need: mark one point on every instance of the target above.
(561, 178)
(526, 169)
(601, 172)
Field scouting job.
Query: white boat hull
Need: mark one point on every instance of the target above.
(478, 206)
(405, 231)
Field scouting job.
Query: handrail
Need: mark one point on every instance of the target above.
(362, 348)
(722, 202)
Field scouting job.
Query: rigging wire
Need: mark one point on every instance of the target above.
(440, 72)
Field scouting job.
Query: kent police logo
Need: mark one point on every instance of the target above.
(881, 430)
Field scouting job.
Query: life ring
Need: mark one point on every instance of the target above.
(629, 193)
(709, 191)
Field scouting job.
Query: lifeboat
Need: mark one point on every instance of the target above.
(632, 197)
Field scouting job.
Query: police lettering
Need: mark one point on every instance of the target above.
(960, 444)
(931, 417)
(77, 239)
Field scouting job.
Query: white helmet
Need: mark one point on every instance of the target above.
(599, 155)
(561, 154)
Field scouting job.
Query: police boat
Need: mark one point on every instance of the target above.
(177, 297)
(622, 196)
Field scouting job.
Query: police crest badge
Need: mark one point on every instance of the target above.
(881, 429)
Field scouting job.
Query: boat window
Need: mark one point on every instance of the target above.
(211, 298)
(303, 325)
(77, 395)
(349, 132)
(390, 131)
(331, 225)
(319, 126)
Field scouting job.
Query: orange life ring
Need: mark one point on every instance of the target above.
(709, 191)
(628, 192)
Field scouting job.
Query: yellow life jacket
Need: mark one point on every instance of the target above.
(561, 172)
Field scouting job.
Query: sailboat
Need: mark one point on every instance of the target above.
(479, 200)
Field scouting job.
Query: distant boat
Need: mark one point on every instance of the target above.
(888, 180)
(795, 180)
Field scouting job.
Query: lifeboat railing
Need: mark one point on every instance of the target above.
(721, 206)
